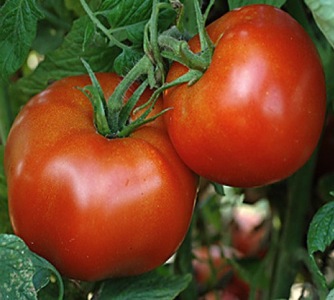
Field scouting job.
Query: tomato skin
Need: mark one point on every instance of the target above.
(256, 114)
(94, 207)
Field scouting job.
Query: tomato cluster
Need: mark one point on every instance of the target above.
(98, 207)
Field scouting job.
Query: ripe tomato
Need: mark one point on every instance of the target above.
(94, 207)
(256, 114)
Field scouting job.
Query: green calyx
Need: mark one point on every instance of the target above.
(111, 117)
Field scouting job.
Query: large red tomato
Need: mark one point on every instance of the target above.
(256, 114)
(94, 207)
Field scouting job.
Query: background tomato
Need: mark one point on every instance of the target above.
(92, 206)
(210, 264)
(215, 276)
(256, 114)
(250, 229)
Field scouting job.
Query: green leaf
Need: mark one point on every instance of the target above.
(23, 273)
(321, 231)
(219, 188)
(6, 117)
(52, 29)
(65, 61)
(120, 13)
(187, 19)
(5, 226)
(127, 60)
(127, 18)
(323, 12)
(152, 285)
(238, 3)
(76, 6)
(320, 235)
(18, 23)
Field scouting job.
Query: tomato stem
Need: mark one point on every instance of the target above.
(178, 50)
(183, 265)
(111, 116)
(294, 224)
(95, 94)
(207, 47)
(151, 46)
(115, 102)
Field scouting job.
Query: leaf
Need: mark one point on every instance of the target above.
(321, 231)
(52, 29)
(219, 188)
(76, 6)
(152, 285)
(4, 216)
(18, 23)
(320, 235)
(121, 13)
(65, 61)
(23, 273)
(238, 3)
(323, 13)
(127, 18)
(187, 19)
(126, 61)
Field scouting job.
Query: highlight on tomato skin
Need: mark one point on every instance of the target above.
(94, 207)
(256, 115)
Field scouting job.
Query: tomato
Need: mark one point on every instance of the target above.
(92, 206)
(256, 114)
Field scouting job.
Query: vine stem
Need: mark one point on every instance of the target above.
(97, 22)
(183, 265)
(111, 116)
(293, 231)
(95, 94)
(115, 102)
(151, 46)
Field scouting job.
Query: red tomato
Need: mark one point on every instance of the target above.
(94, 207)
(256, 114)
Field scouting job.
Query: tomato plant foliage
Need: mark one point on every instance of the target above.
(81, 207)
